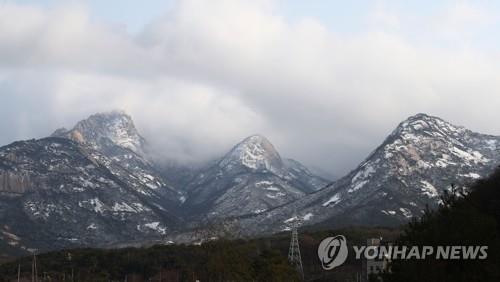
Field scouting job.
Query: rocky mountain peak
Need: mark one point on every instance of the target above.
(115, 126)
(250, 179)
(423, 142)
(426, 124)
(255, 152)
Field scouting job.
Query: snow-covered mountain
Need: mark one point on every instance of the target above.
(250, 178)
(422, 157)
(56, 193)
(115, 136)
(103, 130)
(96, 185)
(91, 185)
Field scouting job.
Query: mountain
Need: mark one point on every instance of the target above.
(115, 136)
(179, 174)
(250, 178)
(104, 130)
(420, 159)
(55, 193)
(92, 185)
(96, 185)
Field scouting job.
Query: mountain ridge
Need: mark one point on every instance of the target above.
(98, 182)
(100, 173)
(420, 159)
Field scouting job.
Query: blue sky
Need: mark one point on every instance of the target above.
(344, 16)
(347, 17)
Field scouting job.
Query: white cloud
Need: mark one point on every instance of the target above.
(208, 73)
(463, 21)
(464, 14)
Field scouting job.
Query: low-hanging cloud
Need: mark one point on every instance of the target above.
(208, 73)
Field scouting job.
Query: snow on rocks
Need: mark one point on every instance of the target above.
(334, 199)
(428, 189)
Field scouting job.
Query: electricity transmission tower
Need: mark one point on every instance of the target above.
(294, 251)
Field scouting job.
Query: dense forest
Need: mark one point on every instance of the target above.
(214, 261)
(263, 259)
(470, 219)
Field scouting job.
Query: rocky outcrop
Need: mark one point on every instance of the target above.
(104, 129)
(11, 183)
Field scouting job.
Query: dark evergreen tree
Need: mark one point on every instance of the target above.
(464, 219)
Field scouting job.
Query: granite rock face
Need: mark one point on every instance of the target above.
(14, 184)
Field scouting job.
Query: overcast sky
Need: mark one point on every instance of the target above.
(325, 81)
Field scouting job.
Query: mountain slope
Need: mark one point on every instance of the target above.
(91, 185)
(250, 178)
(56, 193)
(422, 157)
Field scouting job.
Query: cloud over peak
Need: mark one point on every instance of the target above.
(208, 73)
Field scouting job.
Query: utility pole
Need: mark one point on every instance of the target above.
(34, 271)
(294, 251)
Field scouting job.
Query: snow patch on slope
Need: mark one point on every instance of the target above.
(335, 199)
(429, 189)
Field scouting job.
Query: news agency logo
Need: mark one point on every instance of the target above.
(332, 252)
